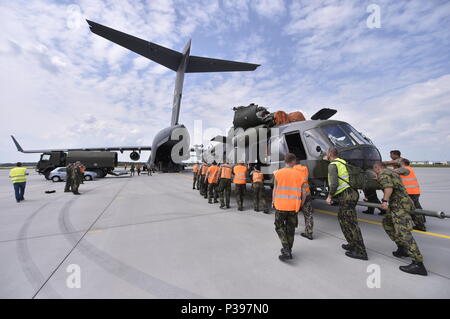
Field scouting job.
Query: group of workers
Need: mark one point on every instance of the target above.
(75, 177)
(291, 194)
(137, 169)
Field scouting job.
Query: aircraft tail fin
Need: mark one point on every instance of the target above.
(19, 148)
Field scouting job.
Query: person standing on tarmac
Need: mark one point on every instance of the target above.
(204, 184)
(412, 187)
(132, 169)
(76, 180)
(195, 177)
(82, 170)
(138, 169)
(307, 204)
(258, 190)
(18, 177)
(225, 174)
(340, 190)
(68, 187)
(240, 183)
(398, 223)
(396, 157)
(202, 173)
(212, 176)
(287, 197)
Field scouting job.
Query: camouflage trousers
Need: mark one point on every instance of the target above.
(348, 220)
(398, 225)
(285, 224)
(225, 191)
(68, 186)
(194, 180)
(372, 197)
(212, 192)
(240, 192)
(259, 202)
(419, 220)
(308, 214)
(205, 187)
(75, 185)
(202, 185)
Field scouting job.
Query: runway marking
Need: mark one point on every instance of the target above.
(378, 223)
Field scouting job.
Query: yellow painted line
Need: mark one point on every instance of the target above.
(95, 231)
(378, 223)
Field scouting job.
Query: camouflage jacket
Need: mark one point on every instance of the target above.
(389, 179)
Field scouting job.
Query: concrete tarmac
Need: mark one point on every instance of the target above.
(156, 237)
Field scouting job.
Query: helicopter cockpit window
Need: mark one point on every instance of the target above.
(337, 136)
(45, 157)
(354, 134)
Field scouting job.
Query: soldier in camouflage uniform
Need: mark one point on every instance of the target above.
(68, 186)
(76, 180)
(419, 220)
(398, 223)
(259, 202)
(225, 174)
(307, 208)
(340, 190)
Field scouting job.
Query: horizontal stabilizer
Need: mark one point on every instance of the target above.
(162, 55)
(201, 64)
(107, 148)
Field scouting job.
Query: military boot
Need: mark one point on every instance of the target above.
(368, 211)
(415, 268)
(240, 208)
(400, 252)
(347, 246)
(285, 254)
(307, 235)
(356, 255)
(420, 227)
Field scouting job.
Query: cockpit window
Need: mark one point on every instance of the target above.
(354, 134)
(45, 157)
(337, 136)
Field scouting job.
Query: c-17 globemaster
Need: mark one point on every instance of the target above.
(181, 63)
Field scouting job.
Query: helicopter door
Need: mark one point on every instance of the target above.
(295, 145)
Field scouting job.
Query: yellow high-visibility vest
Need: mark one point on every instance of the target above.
(17, 174)
(344, 180)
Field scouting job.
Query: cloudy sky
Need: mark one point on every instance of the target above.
(62, 86)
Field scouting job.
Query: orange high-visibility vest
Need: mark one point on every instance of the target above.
(410, 182)
(240, 172)
(226, 171)
(213, 174)
(204, 169)
(258, 177)
(304, 170)
(287, 195)
(195, 168)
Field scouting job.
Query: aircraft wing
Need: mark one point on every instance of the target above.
(165, 56)
(113, 148)
(201, 64)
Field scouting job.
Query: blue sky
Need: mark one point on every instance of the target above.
(62, 86)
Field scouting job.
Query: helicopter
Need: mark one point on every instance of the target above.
(256, 139)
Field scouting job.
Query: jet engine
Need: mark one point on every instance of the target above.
(135, 156)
